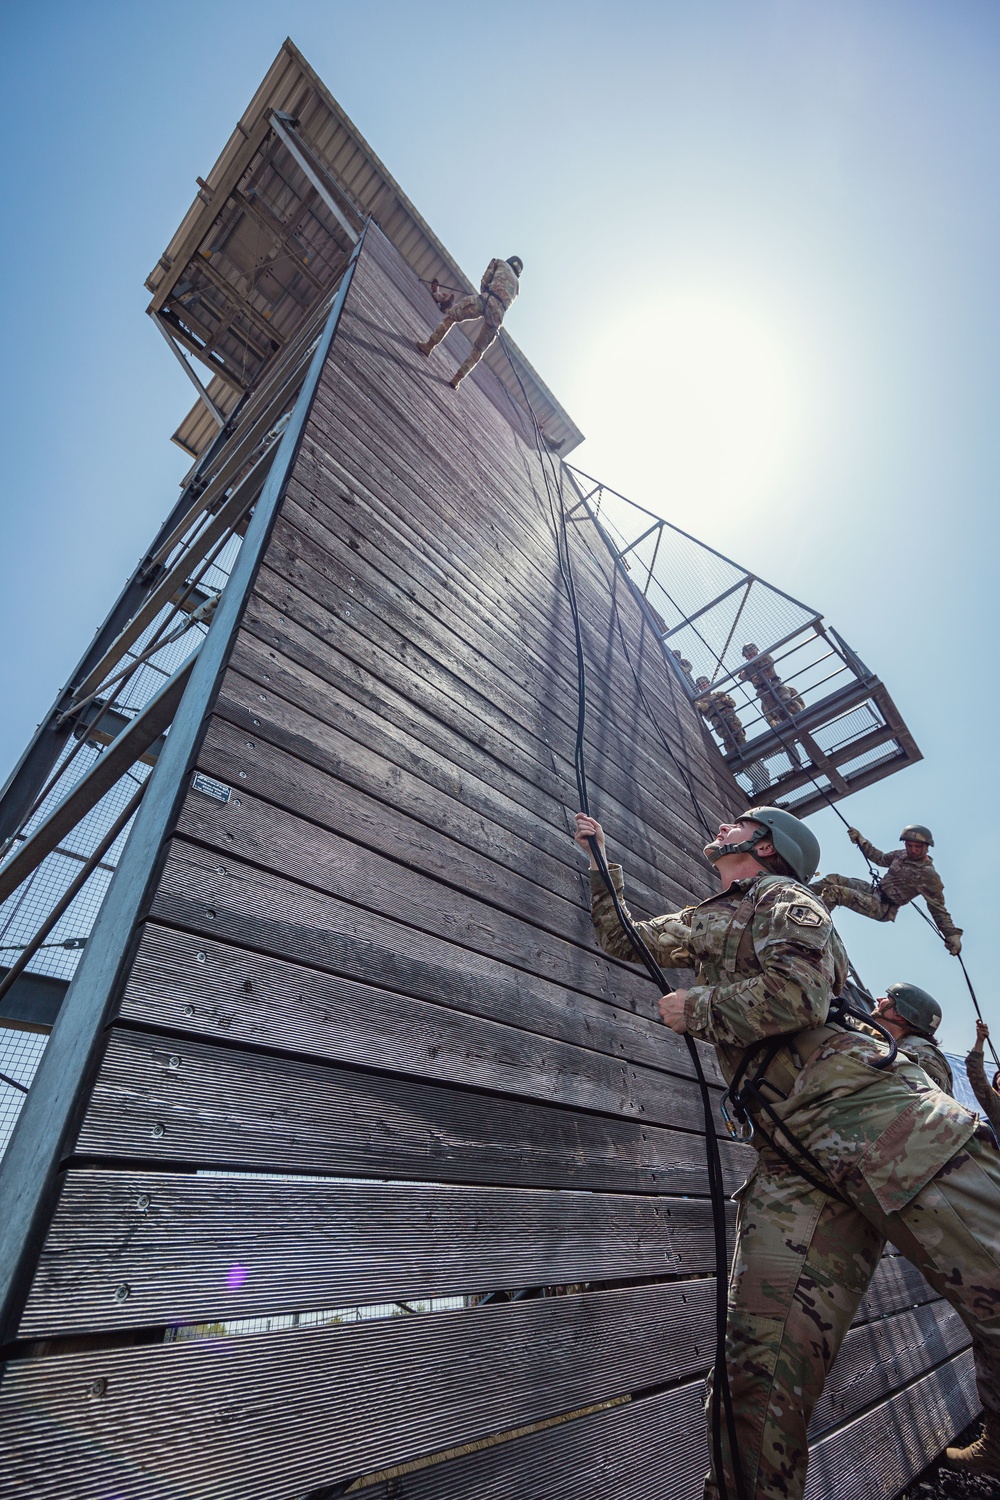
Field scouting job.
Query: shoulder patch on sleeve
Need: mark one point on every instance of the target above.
(805, 916)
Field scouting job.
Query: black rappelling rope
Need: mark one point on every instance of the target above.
(722, 1401)
(975, 1000)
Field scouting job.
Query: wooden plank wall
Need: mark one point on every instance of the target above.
(369, 984)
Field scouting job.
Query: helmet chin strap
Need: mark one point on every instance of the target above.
(748, 846)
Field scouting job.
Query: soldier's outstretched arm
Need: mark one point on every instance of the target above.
(664, 936)
(802, 967)
(875, 855)
(942, 917)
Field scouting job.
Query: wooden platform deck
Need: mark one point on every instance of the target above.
(369, 980)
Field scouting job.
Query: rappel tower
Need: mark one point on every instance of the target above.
(345, 1163)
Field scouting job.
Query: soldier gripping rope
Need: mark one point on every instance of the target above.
(911, 873)
(855, 1145)
(720, 711)
(497, 290)
(777, 699)
(988, 1095)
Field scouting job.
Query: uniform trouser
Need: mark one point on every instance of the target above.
(803, 1261)
(856, 895)
(464, 310)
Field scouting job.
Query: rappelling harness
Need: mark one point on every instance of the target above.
(774, 1063)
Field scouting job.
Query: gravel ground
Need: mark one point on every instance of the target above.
(940, 1483)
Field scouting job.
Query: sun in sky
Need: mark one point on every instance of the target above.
(707, 389)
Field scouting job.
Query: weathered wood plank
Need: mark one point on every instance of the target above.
(655, 1449)
(881, 1357)
(895, 1286)
(168, 1099)
(478, 496)
(880, 1452)
(258, 910)
(295, 700)
(538, 667)
(289, 624)
(187, 983)
(649, 1449)
(257, 1411)
(197, 1249)
(621, 763)
(267, 836)
(438, 838)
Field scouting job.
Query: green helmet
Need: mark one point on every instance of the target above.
(919, 1009)
(917, 833)
(516, 264)
(797, 844)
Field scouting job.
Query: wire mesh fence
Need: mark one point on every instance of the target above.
(20, 1053)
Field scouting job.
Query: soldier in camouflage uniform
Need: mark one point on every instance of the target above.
(777, 699)
(986, 1094)
(720, 711)
(912, 1016)
(911, 873)
(684, 665)
(497, 290)
(849, 1154)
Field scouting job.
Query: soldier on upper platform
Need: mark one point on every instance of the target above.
(720, 711)
(911, 873)
(497, 290)
(684, 665)
(777, 699)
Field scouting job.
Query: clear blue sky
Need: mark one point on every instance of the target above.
(760, 241)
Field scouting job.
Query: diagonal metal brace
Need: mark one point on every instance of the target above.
(144, 730)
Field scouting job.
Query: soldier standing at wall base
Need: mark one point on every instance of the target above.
(911, 873)
(852, 1149)
(912, 1017)
(720, 711)
(497, 290)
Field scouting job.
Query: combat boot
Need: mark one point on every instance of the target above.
(980, 1457)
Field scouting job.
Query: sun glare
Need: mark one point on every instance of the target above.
(701, 394)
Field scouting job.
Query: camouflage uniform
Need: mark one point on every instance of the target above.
(720, 711)
(497, 291)
(975, 1069)
(893, 1157)
(777, 699)
(905, 879)
(928, 1055)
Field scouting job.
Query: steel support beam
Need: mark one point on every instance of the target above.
(110, 767)
(203, 395)
(304, 159)
(33, 769)
(45, 1132)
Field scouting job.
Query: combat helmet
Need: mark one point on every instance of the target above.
(917, 833)
(918, 1009)
(797, 844)
(516, 264)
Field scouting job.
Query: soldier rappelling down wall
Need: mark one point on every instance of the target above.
(911, 873)
(497, 290)
(855, 1147)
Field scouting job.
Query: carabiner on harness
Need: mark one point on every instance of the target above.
(739, 1126)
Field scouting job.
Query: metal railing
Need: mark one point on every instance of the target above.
(795, 711)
